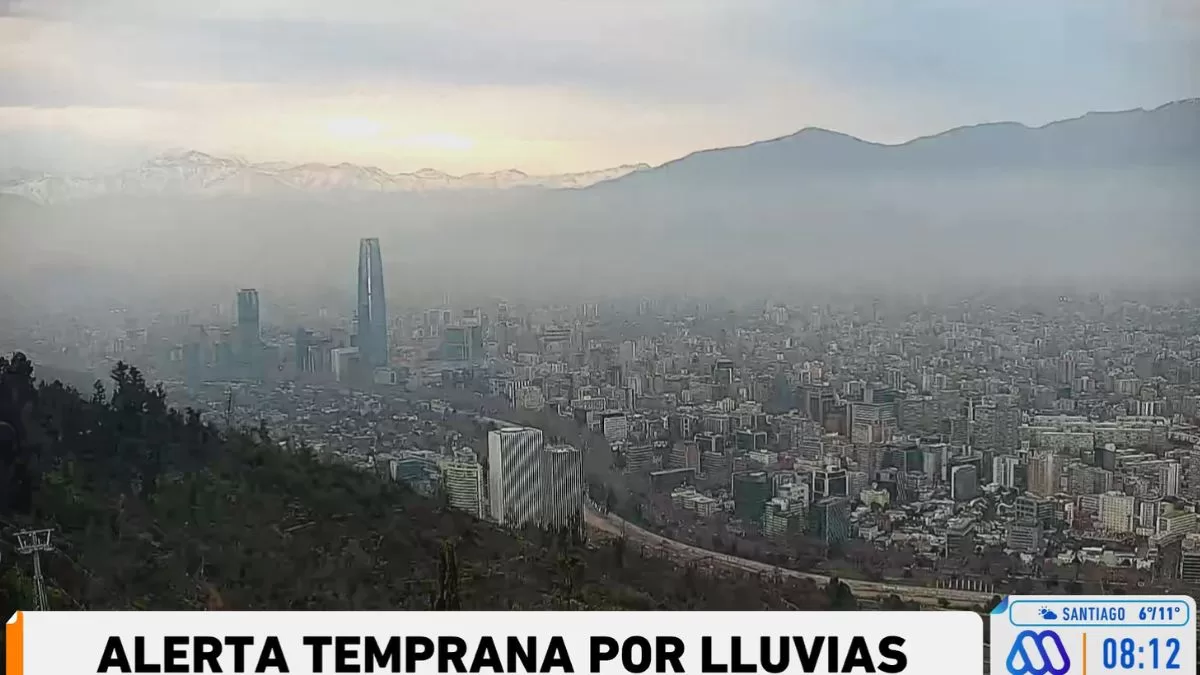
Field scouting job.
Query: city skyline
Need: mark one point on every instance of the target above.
(992, 432)
(564, 88)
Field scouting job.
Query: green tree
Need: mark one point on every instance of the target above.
(992, 604)
(619, 546)
(841, 598)
(155, 509)
(570, 568)
(446, 595)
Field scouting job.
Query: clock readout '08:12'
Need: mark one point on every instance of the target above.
(1124, 653)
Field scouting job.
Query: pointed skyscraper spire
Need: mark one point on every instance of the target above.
(372, 307)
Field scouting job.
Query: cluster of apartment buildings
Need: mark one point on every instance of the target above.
(523, 481)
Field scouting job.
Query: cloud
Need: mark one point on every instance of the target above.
(573, 85)
(665, 54)
(10, 8)
(1040, 58)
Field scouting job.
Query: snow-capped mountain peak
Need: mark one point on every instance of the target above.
(194, 173)
(193, 158)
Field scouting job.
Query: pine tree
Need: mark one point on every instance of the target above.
(446, 597)
(620, 545)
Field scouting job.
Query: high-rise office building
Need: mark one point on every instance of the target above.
(829, 520)
(513, 468)
(997, 428)
(304, 341)
(1031, 509)
(246, 341)
(463, 483)
(817, 401)
(562, 487)
(1117, 512)
(344, 362)
(829, 482)
(462, 342)
(964, 482)
(531, 483)
(751, 492)
(1189, 559)
(1045, 473)
(372, 309)
(248, 331)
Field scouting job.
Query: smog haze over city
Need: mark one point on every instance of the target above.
(250, 147)
(898, 292)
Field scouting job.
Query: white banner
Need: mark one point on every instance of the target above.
(731, 643)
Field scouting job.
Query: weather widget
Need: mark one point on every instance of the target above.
(1098, 634)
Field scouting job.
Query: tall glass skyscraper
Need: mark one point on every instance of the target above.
(372, 309)
(248, 333)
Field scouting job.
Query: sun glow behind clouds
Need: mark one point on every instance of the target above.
(350, 131)
(438, 141)
(354, 127)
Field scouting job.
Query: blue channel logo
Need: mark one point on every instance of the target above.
(1038, 653)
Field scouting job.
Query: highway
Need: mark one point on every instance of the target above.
(616, 526)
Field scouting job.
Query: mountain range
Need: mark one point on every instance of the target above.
(1163, 136)
(1105, 196)
(1166, 136)
(194, 173)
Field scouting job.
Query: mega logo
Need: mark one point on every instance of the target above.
(1038, 653)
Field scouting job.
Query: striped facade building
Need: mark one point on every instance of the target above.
(562, 487)
(531, 483)
(513, 468)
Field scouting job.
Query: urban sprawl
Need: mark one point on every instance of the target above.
(1002, 442)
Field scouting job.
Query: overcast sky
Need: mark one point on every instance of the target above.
(557, 85)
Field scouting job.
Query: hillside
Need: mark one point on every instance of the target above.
(153, 510)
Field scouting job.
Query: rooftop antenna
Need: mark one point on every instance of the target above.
(34, 542)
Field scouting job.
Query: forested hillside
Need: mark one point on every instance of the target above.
(153, 509)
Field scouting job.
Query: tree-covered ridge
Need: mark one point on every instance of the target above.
(153, 509)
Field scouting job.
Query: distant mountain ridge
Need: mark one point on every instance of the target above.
(193, 173)
(1166, 136)
(1104, 196)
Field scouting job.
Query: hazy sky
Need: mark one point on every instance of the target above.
(557, 85)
